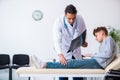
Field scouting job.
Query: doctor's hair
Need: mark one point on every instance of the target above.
(101, 28)
(70, 9)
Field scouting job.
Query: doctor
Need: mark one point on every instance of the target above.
(66, 28)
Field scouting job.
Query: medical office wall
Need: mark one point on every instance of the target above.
(20, 33)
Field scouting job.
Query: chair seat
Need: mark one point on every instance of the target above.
(18, 66)
(4, 67)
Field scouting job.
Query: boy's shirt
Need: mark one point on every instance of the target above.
(107, 52)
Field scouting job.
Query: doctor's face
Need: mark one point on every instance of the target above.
(70, 18)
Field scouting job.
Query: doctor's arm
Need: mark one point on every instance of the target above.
(57, 38)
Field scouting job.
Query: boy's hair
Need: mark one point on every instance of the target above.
(70, 9)
(102, 28)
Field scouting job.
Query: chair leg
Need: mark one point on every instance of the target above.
(10, 73)
(28, 78)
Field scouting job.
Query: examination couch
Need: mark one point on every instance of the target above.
(33, 72)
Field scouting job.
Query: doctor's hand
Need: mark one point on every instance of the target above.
(62, 59)
(85, 44)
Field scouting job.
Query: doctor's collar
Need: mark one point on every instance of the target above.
(66, 23)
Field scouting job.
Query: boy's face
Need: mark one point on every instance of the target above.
(99, 36)
(70, 18)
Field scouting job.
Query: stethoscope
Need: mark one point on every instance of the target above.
(65, 25)
(74, 30)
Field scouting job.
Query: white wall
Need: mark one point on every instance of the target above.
(19, 33)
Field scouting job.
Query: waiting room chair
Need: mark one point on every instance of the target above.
(20, 60)
(5, 63)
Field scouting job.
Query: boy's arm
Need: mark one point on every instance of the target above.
(108, 51)
(86, 55)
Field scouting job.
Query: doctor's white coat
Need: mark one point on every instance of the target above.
(64, 33)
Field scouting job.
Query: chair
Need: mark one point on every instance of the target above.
(113, 75)
(20, 60)
(5, 63)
